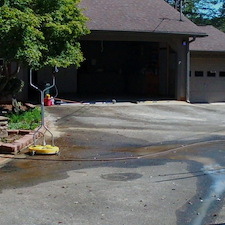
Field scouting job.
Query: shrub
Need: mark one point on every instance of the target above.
(27, 120)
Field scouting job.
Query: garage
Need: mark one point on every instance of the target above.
(140, 50)
(208, 79)
(118, 68)
(126, 69)
(207, 76)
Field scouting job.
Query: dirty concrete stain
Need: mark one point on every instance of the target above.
(147, 149)
(121, 176)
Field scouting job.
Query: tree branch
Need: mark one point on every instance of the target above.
(17, 70)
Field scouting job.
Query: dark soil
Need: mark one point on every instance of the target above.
(7, 108)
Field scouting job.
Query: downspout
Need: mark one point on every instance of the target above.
(192, 40)
(188, 70)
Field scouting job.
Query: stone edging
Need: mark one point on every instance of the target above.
(18, 145)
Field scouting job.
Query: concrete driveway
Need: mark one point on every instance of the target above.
(148, 163)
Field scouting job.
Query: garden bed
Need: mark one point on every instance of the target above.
(20, 127)
(7, 107)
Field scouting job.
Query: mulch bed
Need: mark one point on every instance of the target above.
(7, 108)
(13, 135)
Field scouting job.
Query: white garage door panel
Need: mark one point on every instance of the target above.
(207, 89)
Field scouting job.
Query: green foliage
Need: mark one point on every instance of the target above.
(12, 86)
(41, 33)
(27, 120)
(204, 12)
(219, 23)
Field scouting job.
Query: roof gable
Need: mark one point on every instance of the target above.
(155, 16)
(214, 42)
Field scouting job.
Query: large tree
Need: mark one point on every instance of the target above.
(219, 21)
(38, 33)
(202, 12)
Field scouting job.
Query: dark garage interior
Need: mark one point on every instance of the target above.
(126, 69)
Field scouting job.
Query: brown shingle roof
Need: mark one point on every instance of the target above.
(214, 42)
(137, 16)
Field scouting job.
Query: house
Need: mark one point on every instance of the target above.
(136, 48)
(207, 76)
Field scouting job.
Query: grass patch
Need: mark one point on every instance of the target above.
(27, 120)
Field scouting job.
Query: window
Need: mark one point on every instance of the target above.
(190, 74)
(1, 62)
(211, 73)
(222, 74)
(199, 73)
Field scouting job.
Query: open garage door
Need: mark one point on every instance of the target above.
(119, 68)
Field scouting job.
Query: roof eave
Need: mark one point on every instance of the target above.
(189, 34)
(208, 51)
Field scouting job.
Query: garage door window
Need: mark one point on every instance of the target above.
(211, 74)
(199, 73)
(1, 62)
(222, 74)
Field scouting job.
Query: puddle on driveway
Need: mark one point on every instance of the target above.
(214, 195)
(212, 158)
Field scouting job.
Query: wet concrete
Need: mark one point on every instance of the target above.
(162, 150)
(202, 207)
(33, 171)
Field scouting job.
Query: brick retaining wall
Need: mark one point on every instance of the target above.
(3, 126)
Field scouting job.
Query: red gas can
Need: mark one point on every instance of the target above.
(47, 100)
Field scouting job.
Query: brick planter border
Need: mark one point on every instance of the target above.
(21, 143)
